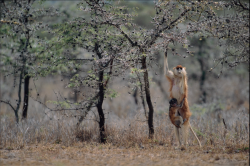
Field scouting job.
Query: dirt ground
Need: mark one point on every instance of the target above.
(97, 154)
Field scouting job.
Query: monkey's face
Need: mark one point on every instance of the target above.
(173, 102)
(179, 71)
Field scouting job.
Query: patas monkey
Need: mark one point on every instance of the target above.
(179, 90)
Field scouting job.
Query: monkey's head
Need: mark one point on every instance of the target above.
(173, 102)
(179, 71)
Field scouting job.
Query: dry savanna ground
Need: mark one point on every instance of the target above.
(137, 154)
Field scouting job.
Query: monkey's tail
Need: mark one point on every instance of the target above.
(195, 135)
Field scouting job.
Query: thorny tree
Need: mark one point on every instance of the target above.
(110, 28)
(103, 56)
(20, 43)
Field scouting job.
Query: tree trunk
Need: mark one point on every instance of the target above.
(148, 99)
(19, 97)
(99, 107)
(142, 98)
(26, 95)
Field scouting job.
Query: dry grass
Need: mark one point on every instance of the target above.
(129, 133)
(57, 142)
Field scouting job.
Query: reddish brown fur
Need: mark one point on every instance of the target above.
(179, 66)
(185, 112)
(174, 119)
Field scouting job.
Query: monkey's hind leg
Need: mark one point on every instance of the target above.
(177, 135)
(185, 130)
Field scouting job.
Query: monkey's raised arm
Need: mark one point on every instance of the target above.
(166, 62)
(168, 73)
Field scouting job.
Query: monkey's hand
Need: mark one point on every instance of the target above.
(166, 53)
(177, 124)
